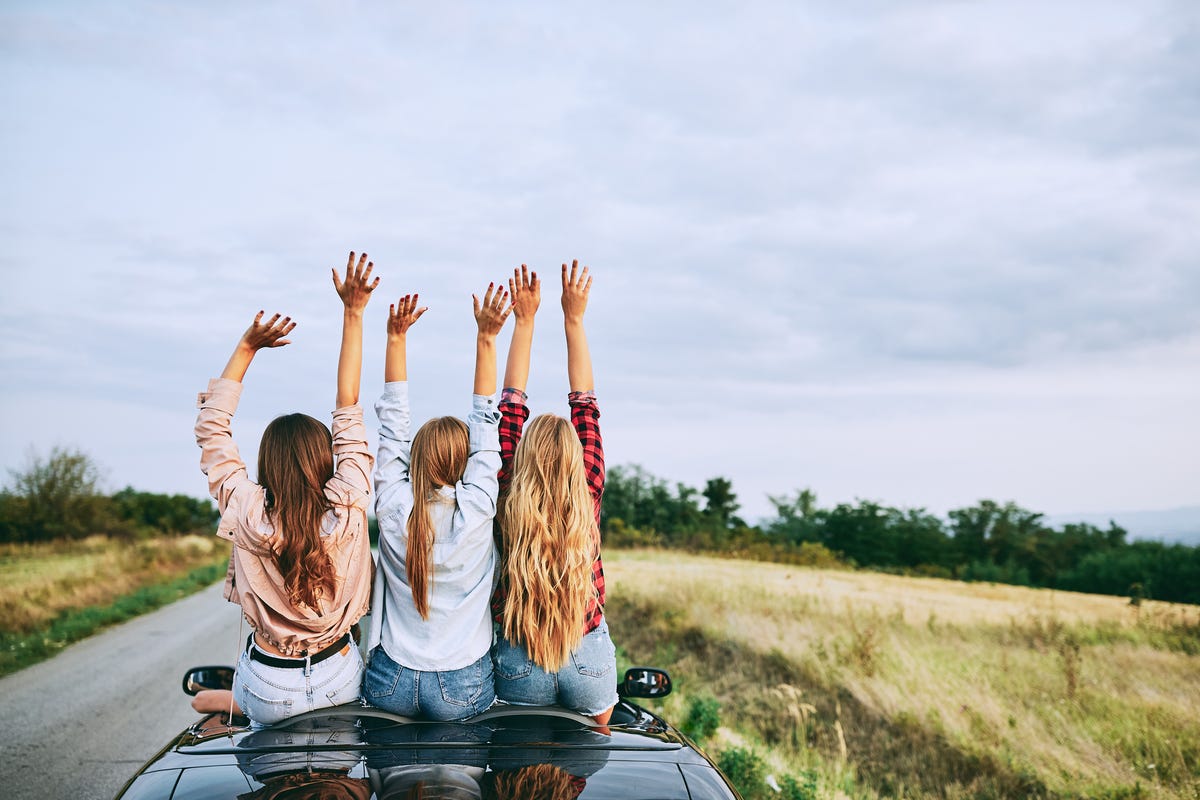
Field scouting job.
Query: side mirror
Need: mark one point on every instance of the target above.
(645, 682)
(198, 678)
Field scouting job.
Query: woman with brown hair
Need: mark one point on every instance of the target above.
(301, 564)
(554, 646)
(435, 499)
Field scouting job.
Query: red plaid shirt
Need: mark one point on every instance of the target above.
(585, 416)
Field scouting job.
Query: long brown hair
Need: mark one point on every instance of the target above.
(550, 540)
(439, 458)
(295, 459)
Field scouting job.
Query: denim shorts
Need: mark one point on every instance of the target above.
(587, 683)
(269, 694)
(444, 696)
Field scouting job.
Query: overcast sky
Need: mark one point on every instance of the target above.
(921, 253)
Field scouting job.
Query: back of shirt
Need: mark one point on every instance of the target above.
(458, 631)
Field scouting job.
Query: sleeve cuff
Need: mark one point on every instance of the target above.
(395, 395)
(511, 395)
(485, 413)
(348, 411)
(222, 394)
(582, 398)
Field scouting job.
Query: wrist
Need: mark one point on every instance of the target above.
(573, 321)
(352, 314)
(488, 339)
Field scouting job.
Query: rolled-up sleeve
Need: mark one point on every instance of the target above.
(395, 444)
(585, 416)
(513, 414)
(480, 484)
(219, 457)
(351, 481)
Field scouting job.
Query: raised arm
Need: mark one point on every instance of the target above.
(526, 291)
(219, 458)
(395, 436)
(355, 291)
(575, 288)
(489, 317)
(256, 337)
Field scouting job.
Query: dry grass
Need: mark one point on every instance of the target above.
(38, 582)
(937, 688)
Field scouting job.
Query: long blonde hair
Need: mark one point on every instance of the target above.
(439, 458)
(295, 459)
(550, 538)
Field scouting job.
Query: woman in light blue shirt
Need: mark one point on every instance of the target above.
(435, 498)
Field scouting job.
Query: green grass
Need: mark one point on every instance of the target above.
(19, 650)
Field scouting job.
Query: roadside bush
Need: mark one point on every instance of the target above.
(618, 534)
(703, 717)
(58, 497)
(802, 787)
(747, 771)
(55, 498)
(147, 513)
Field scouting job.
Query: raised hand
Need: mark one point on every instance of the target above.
(403, 314)
(492, 313)
(526, 289)
(575, 288)
(269, 334)
(259, 335)
(355, 290)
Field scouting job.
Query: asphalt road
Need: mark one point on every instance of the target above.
(82, 723)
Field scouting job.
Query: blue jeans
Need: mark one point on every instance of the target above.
(444, 696)
(587, 683)
(270, 694)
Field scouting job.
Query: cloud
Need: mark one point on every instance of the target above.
(783, 204)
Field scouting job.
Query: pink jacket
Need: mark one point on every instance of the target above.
(254, 580)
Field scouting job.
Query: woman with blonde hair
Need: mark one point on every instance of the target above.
(554, 646)
(435, 498)
(301, 563)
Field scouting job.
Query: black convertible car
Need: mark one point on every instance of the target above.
(506, 752)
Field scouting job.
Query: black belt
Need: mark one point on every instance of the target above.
(295, 663)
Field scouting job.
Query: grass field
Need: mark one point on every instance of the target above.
(823, 683)
(858, 684)
(57, 593)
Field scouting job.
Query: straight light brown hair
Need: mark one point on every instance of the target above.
(439, 458)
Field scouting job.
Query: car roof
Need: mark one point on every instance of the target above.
(376, 754)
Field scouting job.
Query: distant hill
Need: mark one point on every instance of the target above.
(1170, 525)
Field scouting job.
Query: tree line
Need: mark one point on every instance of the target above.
(989, 541)
(58, 497)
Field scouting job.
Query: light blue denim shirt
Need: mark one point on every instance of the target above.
(459, 629)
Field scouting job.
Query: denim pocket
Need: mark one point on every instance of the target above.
(596, 655)
(263, 710)
(382, 674)
(592, 669)
(511, 661)
(462, 687)
(349, 690)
